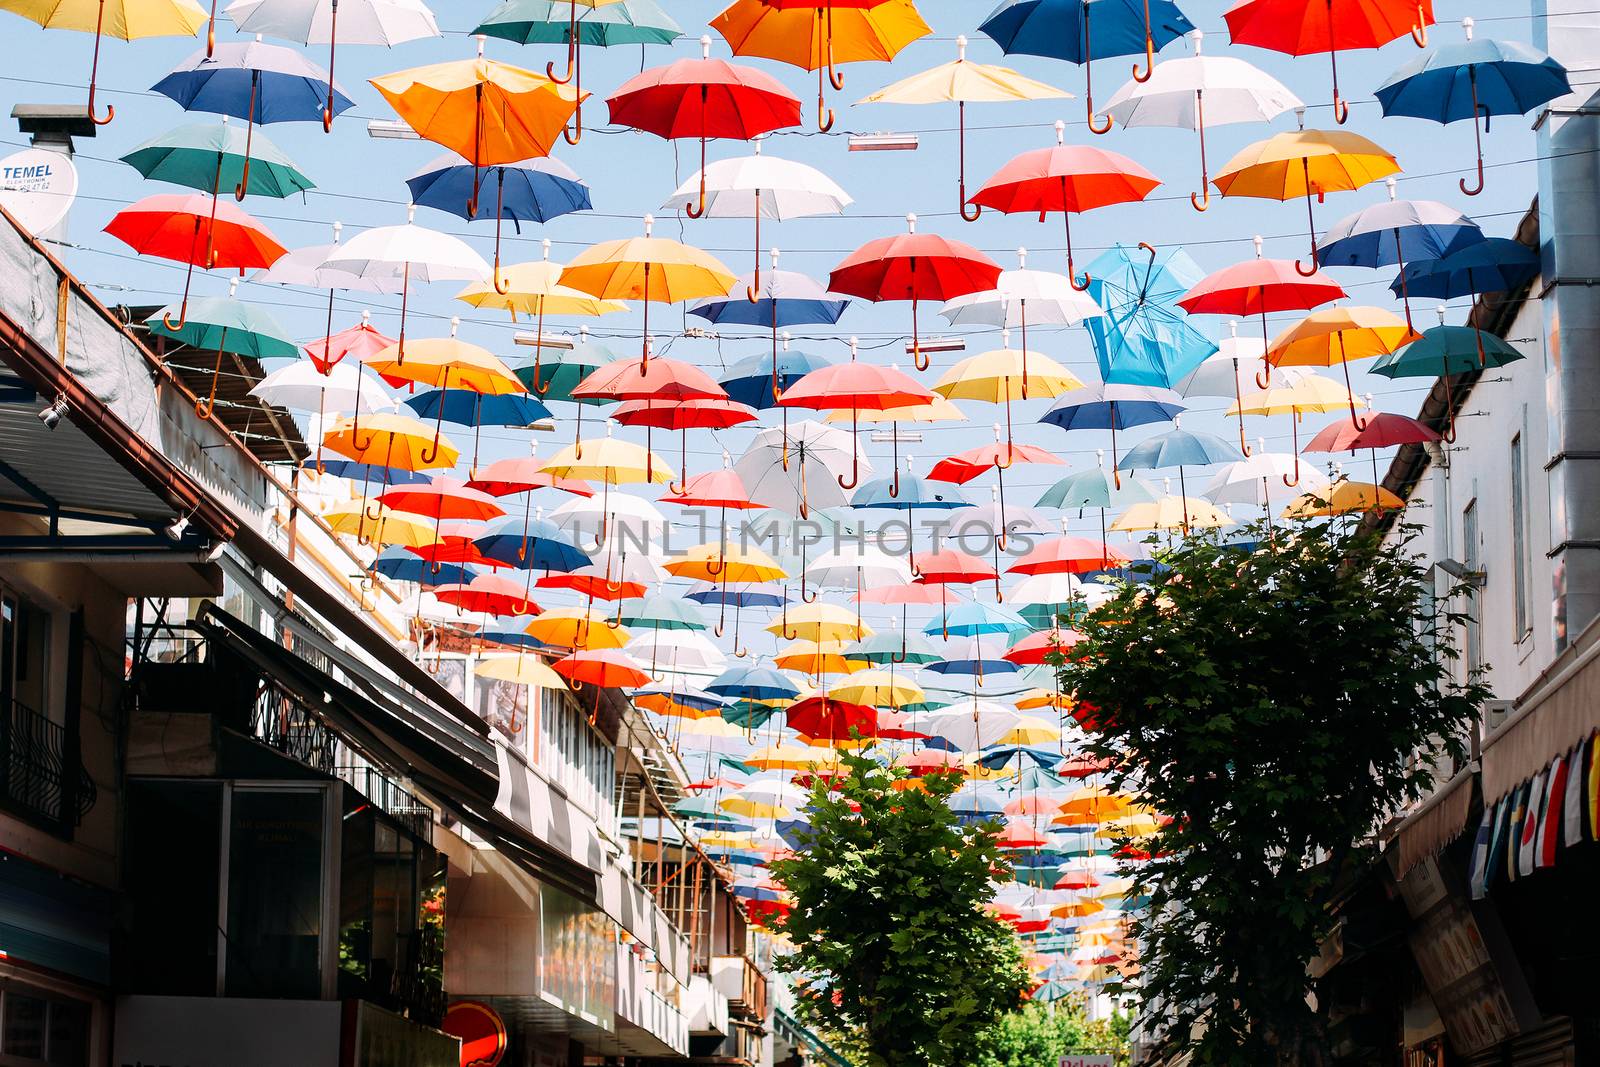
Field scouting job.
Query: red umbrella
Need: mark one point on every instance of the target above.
(1065, 178)
(1036, 648)
(823, 718)
(947, 567)
(931, 761)
(1019, 834)
(704, 98)
(603, 668)
(964, 467)
(442, 498)
(1081, 767)
(1068, 555)
(594, 584)
(914, 267)
(522, 474)
(456, 544)
(1383, 430)
(714, 489)
(491, 594)
(198, 231)
(645, 379)
(1301, 28)
(360, 341)
(857, 386)
(708, 414)
(1256, 287)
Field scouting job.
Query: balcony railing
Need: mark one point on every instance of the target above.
(34, 766)
(389, 796)
(281, 722)
(741, 981)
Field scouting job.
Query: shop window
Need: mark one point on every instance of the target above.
(37, 1027)
(275, 873)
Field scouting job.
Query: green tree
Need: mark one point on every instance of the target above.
(1278, 705)
(1038, 1035)
(893, 948)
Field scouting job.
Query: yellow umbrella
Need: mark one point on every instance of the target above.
(389, 440)
(376, 524)
(1171, 513)
(1338, 335)
(651, 269)
(447, 363)
(1092, 805)
(726, 563)
(1004, 375)
(962, 82)
(1296, 396)
(1305, 163)
(576, 628)
(879, 689)
(821, 621)
(609, 461)
(814, 658)
(711, 726)
(820, 37)
(1042, 698)
(1343, 497)
(1029, 730)
(126, 20)
(786, 757)
(523, 670)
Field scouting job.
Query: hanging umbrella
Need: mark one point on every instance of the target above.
(704, 98)
(963, 82)
(1143, 339)
(855, 386)
(1338, 335)
(440, 499)
(1382, 430)
(1061, 29)
(1393, 232)
(304, 268)
(206, 156)
(1068, 555)
(1066, 178)
(374, 22)
(1249, 481)
(1020, 296)
(914, 267)
(522, 474)
(1088, 489)
(415, 253)
(1444, 352)
(1471, 79)
(1193, 91)
(758, 187)
(605, 23)
(196, 231)
(974, 619)
(1298, 28)
(1171, 513)
(821, 622)
(445, 362)
(487, 112)
(400, 564)
(260, 83)
(535, 190)
(819, 34)
(576, 628)
(126, 20)
(1343, 497)
(1308, 163)
(1112, 407)
(226, 326)
(682, 415)
(1180, 449)
(797, 470)
(303, 386)
(651, 269)
(1296, 396)
(1003, 375)
(784, 298)
(1254, 288)
(964, 467)
(386, 441)
(1492, 265)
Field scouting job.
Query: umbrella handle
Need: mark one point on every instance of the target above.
(1419, 30)
(572, 46)
(429, 456)
(977, 210)
(204, 408)
(1073, 278)
(574, 134)
(692, 210)
(1477, 137)
(94, 70)
(809, 598)
(333, 47)
(211, 31)
(1149, 61)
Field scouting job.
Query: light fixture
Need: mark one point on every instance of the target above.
(51, 416)
(533, 340)
(883, 142)
(177, 528)
(905, 437)
(937, 344)
(392, 130)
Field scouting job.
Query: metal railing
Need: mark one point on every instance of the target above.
(34, 769)
(388, 796)
(281, 722)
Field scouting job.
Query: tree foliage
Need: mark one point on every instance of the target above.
(893, 949)
(1278, 705)
(1038, 1035)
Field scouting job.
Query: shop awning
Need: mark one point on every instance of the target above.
(1439, 821)
(1560, 709)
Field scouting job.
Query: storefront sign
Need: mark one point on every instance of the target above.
(481, 1030)
(1088, 1061)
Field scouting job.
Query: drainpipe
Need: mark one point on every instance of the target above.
(1569, 236)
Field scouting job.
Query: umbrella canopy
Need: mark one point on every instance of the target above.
(1339, 335)
(211, 156)
(1396, 231)
(1343, 497)
(1143, 339)
(1171, 513)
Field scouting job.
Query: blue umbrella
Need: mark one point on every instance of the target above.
(736, 596)
(976, 656)
(509, 631)
(1060, 29)
(1463, 81)
(1493, 265)
(531, 544)
(464, 407)
(997, 756)
(973, 619)
(982, 802)
(1179, 448)
(749, 381)
(401, 565)
(535, 190)
(260, 83)
(1094, 489)
(914, 493)
(1113, 407)
(370, 472)
(1394, 231)
(753, 683)
(1144, 338)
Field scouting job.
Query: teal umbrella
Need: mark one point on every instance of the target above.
(209, 157)
(226, 326)
(1096, 489)
(661, 612)
(893, 646)
(1443, 352)
(638, 22)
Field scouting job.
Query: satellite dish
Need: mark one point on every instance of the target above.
(37, 188)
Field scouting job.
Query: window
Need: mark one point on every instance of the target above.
(273, 935)
(1469, 549)
(37, 1027)
(574, 756)
(1520, 579)
(24, 653)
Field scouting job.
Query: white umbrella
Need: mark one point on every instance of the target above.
(1024, 296)
(758, 187)
(795, 469)
(1190, 92)
(973, 725)
(300, 386)
(380, 22)
(676, 650)
(415, 252)
(1250, 481)
(633, 518)
(858, 568)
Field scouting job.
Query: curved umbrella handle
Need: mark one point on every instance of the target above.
(572, 47)
(429, 456)
(825, 117)
(1477, 137)
(809, 597)
(742, 652)
(1301, 270)
(1419, 30)
(94, 70)
(1149, 61)
(240, 190)
(1095, 128)
(977, 211)
(1264, 382)
(692, 210)
(573, 134)
(1201, 200)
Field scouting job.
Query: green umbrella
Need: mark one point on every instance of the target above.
(209, 157)
(560, 372)
(661, 613)
(226, 325)
(1444, 352)
(892, 646)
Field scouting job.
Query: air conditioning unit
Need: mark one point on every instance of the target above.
(1495, 714)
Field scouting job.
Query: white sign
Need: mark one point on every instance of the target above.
(37, 188)
(1088, 1061)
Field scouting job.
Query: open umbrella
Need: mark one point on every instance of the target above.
(1143, 338)
(704, 98)
(126, 20)
(820, 34)
(1061, 29)
(855, 386)
(1299, 28)
(1113, 407)
(963, 82)
(914, 267)
(1444, 352)
(1339, 335)
(227, 326)
(1296, 394)
(1493, 265)
(605, 23)
(206, 156)
(1471, 79)
(1192, 91)
(303, 268)
(260, 83)
(1003, 375)
(796, 470)
(1249, 481)
(1090, 489)
(1066, 178)
(1180, 449)
(374, 22)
